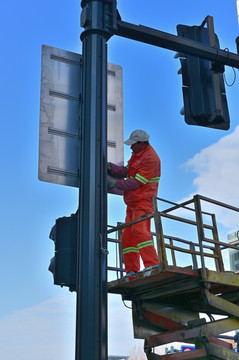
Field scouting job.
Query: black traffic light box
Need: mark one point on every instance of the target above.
(205, 102)
(64, 264)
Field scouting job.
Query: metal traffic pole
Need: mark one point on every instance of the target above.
(91, 314)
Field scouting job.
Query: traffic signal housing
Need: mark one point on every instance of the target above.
(63, 265)
(204, 95)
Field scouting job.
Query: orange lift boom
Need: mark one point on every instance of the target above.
(167, 301)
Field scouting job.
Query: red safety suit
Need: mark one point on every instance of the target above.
(142, 177)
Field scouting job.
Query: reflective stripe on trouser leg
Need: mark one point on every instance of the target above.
(142, 234)
(148, 253)
(129, 246)
(136, 236)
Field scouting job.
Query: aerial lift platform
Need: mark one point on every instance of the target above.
(167, 302)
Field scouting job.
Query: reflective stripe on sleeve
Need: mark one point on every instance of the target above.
(141, 179)
(145, 181)
(155, 179)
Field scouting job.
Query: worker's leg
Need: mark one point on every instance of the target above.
(142, 235)
(129, 246)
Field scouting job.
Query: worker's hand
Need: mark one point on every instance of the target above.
(108, 166)
(111, 184)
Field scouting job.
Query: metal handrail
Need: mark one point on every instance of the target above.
(160, 237)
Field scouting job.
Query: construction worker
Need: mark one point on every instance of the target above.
(139, 181)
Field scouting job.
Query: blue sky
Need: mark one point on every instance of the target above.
(36, 318)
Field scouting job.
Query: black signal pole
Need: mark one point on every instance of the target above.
(91, 315)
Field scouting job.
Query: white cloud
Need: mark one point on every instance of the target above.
(46, 331)
(121, 341)
(43, 332)
(217, 174)
(120, 329)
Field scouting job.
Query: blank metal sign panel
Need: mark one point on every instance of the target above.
(60, 116)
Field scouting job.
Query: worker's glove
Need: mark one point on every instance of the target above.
(111, 184)
(108, 166)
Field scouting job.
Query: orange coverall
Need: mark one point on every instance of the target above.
(145, 169)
